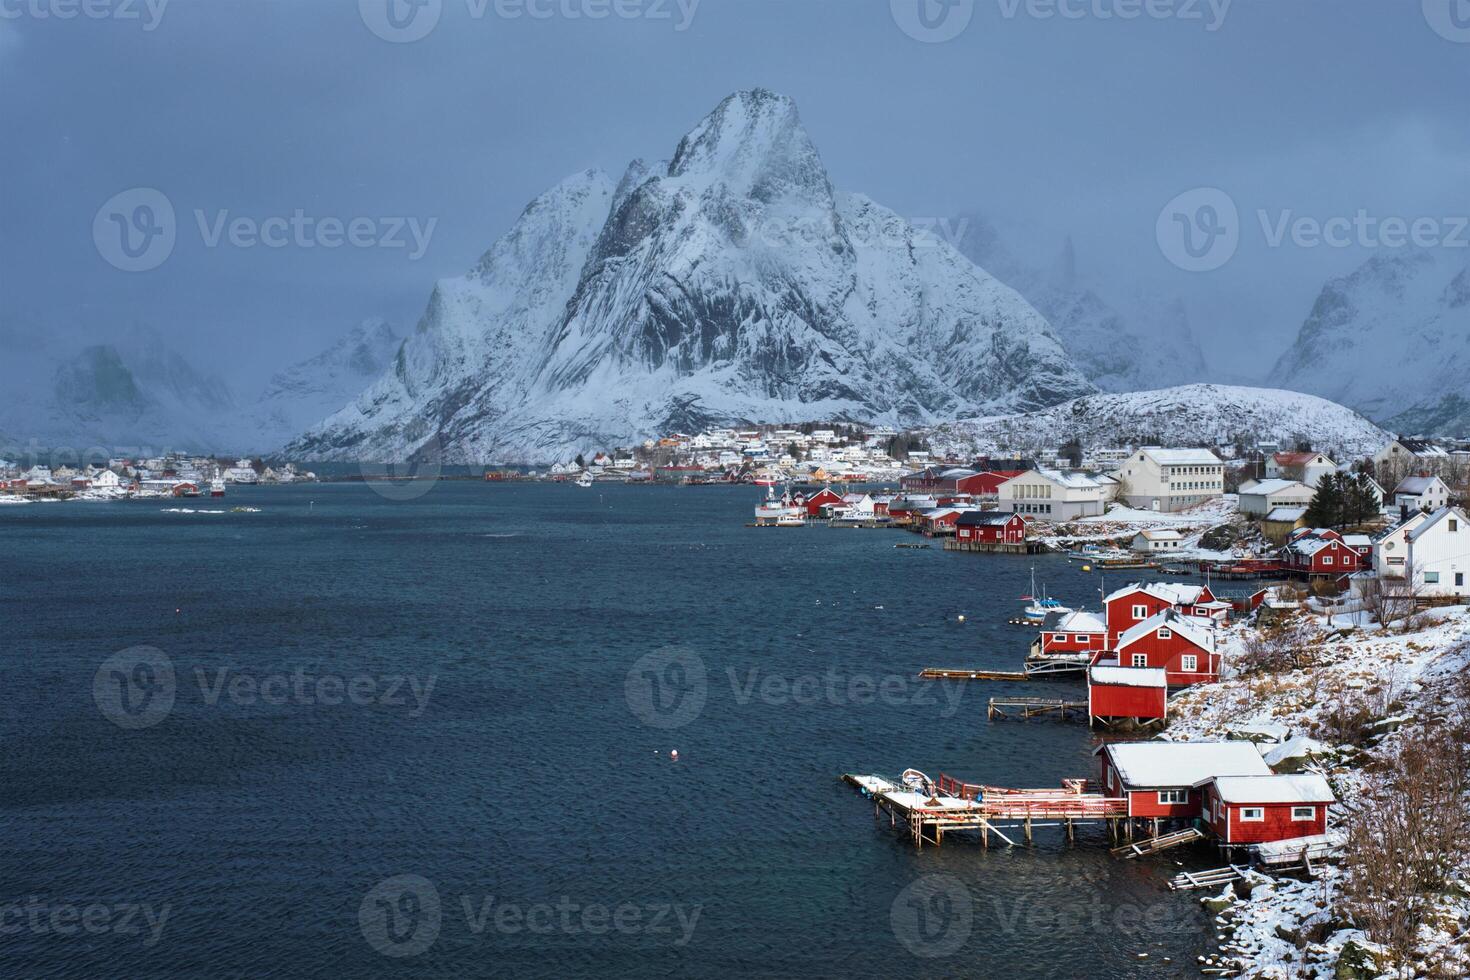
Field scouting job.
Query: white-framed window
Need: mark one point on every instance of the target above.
(1189, 663)
(1080, 638)
(1252, 814)
(1327, 560)
(1140, 660)
(1059, 637)
(1140, 612)
(1168, 796)
(1304, 813)
(1165, 633)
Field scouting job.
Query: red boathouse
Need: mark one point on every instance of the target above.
(1116, 694)
(1255, 809)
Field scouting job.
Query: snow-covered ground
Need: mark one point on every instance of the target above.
(1295, 929)
(1120, 524)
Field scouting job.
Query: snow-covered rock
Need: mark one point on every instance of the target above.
(732, 284)
(1190, 415)
(1393, 341)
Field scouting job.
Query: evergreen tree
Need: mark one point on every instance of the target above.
(1327, 506)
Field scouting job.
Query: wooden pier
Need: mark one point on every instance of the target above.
(1034, 707)
(1188, 880)
(993, 547)
(1163, 842)
(965, 674)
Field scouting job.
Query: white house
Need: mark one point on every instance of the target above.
(1263, 497)
(1306, 468)
(1404, 456)
(1171, 479)
(1427, 493)
(105, 478)
(1162, 539)
(1053, 495)
(1436, 546)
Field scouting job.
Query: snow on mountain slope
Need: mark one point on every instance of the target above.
(1392, 339)
(1190, 415)
(1117, 352)
(732, 284)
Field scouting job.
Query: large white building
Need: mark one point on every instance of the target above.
(1261, 498)
(1436, 546)
(1171, 479)
(1053, 495)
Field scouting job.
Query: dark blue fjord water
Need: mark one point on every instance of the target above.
(522, 816)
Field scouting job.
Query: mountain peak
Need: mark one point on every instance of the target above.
(754, 143)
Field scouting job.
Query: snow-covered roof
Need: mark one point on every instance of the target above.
(1195, 630)
(1299, 747)
(1182, 457)
(1183, 763)
(1357, 540)
(958, 473)
(1268, 487)
(1161, 534)
(1069, 478)
(1080, 622)
(1129, 676)
(1286, 515)
(1306, 787)
(985, 517)
(1170, 592)
(1415, 485)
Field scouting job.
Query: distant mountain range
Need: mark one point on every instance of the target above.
(731, 284)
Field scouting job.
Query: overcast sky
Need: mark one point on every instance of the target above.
(1085, 125)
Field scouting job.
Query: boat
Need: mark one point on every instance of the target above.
(584, 481)
(773, 509)
(790, 520)
(1037, 609)
(217, 486)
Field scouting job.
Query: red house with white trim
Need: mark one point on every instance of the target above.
(1255, 809)
(1183, 646)
(1164, 779)
(1320, 551)
(991, 527)
(1127, 694)
(822, 498)
(1077, 632)
(1132, 604)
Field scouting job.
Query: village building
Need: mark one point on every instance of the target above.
(1317, 552)
(1253, 809)
(1435, 546)
(1135, 603)
(1423, 492)
(1403, 457)
(990, 527)
(1076, 632)
(825, 497)
(1281, 522)
(1157, 539)
(1306, 468)
(1170, 480)
(1117, 694)
(1260, 498)
(1183, 646)
(1164, 779)
(1053, 495)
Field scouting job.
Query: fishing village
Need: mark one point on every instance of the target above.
(1266, 681)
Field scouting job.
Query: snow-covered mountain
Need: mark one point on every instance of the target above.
(733, 283)
(307, 392)
(1151, 345)
(1189, 415)
(1392, 340)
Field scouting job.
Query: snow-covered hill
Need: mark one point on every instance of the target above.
(1150, 345)
(1392, 340)
(733, 283)
(1190, 415)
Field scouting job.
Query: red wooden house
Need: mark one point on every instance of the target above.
(986, 485)
(822, 498)
(1127, 694)
(1078, 632)
(1320, 551)
(939, 520)
(991, 527)
(1254, 809)
(1164, 779)
(1132, 604)
(1183, 646)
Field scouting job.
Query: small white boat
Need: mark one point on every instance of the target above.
(217, 487)
(1040, 606)
(584, 481)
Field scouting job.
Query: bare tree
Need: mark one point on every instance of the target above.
(1393, 599)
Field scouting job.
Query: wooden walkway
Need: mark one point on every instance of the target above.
(1034, 707)
(1163, 842)
(963, 674)
(1188, 880)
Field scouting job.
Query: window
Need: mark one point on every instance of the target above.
(1140, 612)
(1459, 579)
(1252, 814)
(1431, 578)
(1080, 637)
(1140, 660)
(1454, 525)
(1167, 796)
(1059, 637)
(1189, 664)
(1304, 813)
(1327, 560)
(1165, 633)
